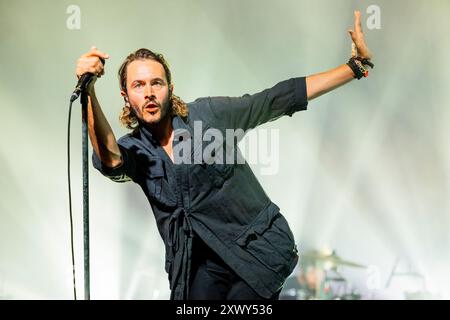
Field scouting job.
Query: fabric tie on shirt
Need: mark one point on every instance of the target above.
(180, 235)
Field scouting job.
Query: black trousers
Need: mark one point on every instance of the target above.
(213, 279)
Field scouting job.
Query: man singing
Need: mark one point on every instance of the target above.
(224, 238)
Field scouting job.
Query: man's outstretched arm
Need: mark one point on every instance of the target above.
(321, 83)
(101, 135)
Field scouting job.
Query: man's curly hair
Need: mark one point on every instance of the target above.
(127, 116)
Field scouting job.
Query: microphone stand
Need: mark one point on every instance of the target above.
(84, 116)
(81, 89)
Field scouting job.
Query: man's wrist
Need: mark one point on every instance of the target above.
(360, 66)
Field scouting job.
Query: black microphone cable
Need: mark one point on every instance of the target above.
(70, 202)
(83, 81)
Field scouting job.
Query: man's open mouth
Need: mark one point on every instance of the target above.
(151, 108)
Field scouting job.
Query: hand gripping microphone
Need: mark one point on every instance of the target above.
(82, 83)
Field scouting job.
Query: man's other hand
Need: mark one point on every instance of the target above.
(359, 47)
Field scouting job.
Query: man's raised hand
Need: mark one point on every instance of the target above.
(90, 62)
(359, 47)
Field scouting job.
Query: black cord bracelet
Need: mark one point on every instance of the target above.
(357, 64)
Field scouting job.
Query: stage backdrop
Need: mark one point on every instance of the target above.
(365, 171)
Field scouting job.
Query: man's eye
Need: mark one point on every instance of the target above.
(137, 85)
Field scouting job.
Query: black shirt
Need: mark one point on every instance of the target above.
(223, 204)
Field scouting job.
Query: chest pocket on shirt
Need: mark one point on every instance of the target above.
(154, 181)
(213, 154)
(221, 171)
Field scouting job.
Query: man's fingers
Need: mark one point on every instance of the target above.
(352, 35)
(357, 26)
(359, 47)
(97, 53)
(98, 70)
(357, 33)
(354, 50)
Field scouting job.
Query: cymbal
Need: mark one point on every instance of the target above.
(331, 260)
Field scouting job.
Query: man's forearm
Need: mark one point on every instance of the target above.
(321, 83)
(101, 135)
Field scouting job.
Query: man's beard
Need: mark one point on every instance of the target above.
(164, 111)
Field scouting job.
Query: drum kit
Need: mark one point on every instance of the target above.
(319, 278)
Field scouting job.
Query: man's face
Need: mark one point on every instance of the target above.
(148, 91)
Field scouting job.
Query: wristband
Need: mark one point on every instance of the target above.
(358, 66)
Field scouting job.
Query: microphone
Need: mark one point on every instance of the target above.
(82, 83)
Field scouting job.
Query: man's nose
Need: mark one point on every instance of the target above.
(149, 94)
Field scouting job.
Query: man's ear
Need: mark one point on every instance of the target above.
(124, 95)
(171, 88)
